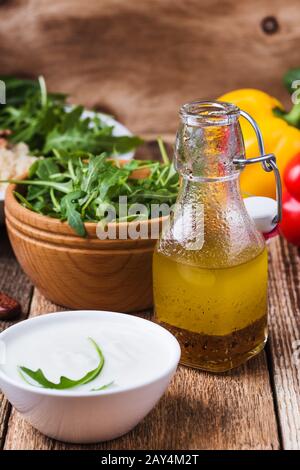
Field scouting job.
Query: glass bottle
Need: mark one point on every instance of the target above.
(210, 264)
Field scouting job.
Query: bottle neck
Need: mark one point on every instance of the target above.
(212, 192)
(209, 151)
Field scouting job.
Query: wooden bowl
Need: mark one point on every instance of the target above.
(81, 273)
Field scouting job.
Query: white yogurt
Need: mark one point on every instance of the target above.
(132, 353)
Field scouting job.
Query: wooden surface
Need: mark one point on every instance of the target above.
(139, 60)
(254, 407)
(285, 340)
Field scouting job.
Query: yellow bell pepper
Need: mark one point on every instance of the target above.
(280, 138)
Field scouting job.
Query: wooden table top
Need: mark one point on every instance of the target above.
(254, 407)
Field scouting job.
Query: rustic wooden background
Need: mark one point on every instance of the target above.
(140, 59)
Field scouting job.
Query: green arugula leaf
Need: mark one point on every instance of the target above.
(92, 174)
(23, 200)
(62, 187)
(89, 141)
(33, 169)
(103, 387)
(45, 168)
(68, 209)
(163, 151)
(64, 382)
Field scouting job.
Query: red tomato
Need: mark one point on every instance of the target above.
(290, 224)
(292, 177)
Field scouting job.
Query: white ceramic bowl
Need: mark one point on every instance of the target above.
(85, 416)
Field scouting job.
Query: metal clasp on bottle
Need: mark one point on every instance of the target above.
(268, 163)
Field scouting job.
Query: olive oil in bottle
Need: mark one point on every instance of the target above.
(218, 315)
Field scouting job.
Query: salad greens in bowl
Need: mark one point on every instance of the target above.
(45, 121)
(34, 122)
(80, 188)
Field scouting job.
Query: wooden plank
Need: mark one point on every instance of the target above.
(141, 60)
(199, 411)
(285, 338)
(5, 409)
(14, 283)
